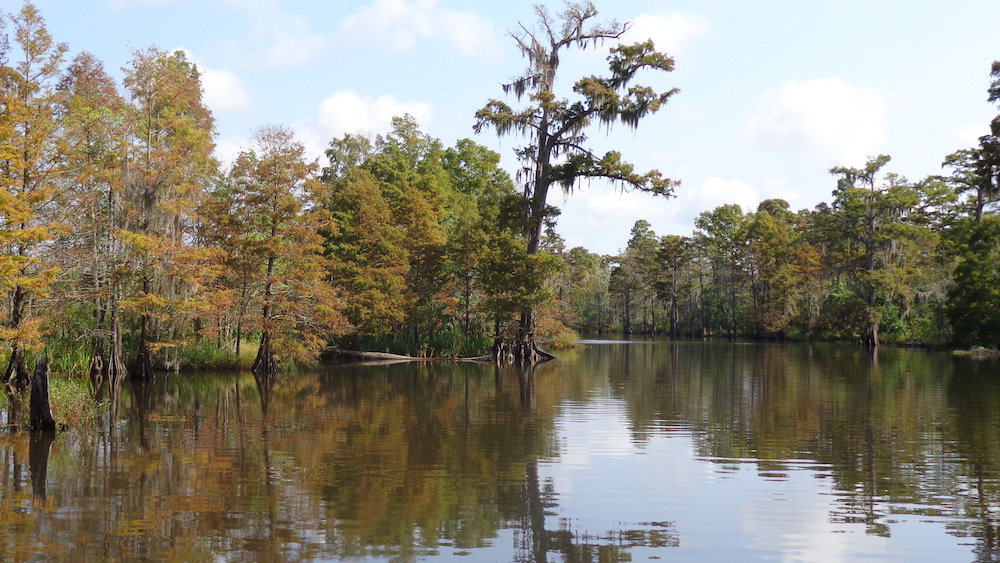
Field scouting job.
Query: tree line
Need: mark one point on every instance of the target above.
(127, 247)
(887, 260)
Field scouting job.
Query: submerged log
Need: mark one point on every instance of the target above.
(39, 409)
(331, 352)
(378, 356)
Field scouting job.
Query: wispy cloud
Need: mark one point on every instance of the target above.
(402, 24)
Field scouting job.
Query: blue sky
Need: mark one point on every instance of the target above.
(773, 92)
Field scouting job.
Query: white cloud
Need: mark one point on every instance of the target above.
(402, 23)
(345, 111)
(717, 191)
(671, 33)
(224, 90)
(838, 122)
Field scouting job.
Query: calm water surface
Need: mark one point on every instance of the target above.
(616, 452)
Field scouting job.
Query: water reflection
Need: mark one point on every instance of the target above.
(38, 461)
(614, 453)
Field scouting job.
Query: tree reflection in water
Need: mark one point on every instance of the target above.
(407, 462)
(38, 461)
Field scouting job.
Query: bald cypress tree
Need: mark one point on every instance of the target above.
(557, 152)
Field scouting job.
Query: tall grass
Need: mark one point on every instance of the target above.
(73, 402)
(207, 356)
(71, 399)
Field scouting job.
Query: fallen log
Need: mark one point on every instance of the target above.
(359, 355)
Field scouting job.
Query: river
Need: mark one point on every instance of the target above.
(617, 451)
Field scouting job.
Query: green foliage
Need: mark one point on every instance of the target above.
(974, 301)
(73, 402)
(414, 227)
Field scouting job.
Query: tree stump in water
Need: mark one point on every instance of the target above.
(39, 409)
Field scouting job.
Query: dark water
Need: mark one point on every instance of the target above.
(616, 452)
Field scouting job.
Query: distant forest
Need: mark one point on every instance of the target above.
(126, 247)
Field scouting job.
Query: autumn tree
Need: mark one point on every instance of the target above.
(410, 169)
(29, 170)
(169, 164)
(368, 263)
(273, 199)
(93, 144)
(555, 127)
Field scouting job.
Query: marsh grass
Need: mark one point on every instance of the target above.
(207, 356)
(71, 399)
(73, 403)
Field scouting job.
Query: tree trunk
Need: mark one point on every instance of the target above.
(115, 368)
(264, 365)
(870, 339)
(17, 377)
(265, 362)
(143, 368)
(265, 369)
(525, 350)
(468, 305)
(673, 317)
(40, 411)
(97, 360)
(17, 371)
(627, 316)
(524, 346)
(239, 337)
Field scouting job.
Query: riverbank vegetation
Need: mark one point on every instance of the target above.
(126, 247)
